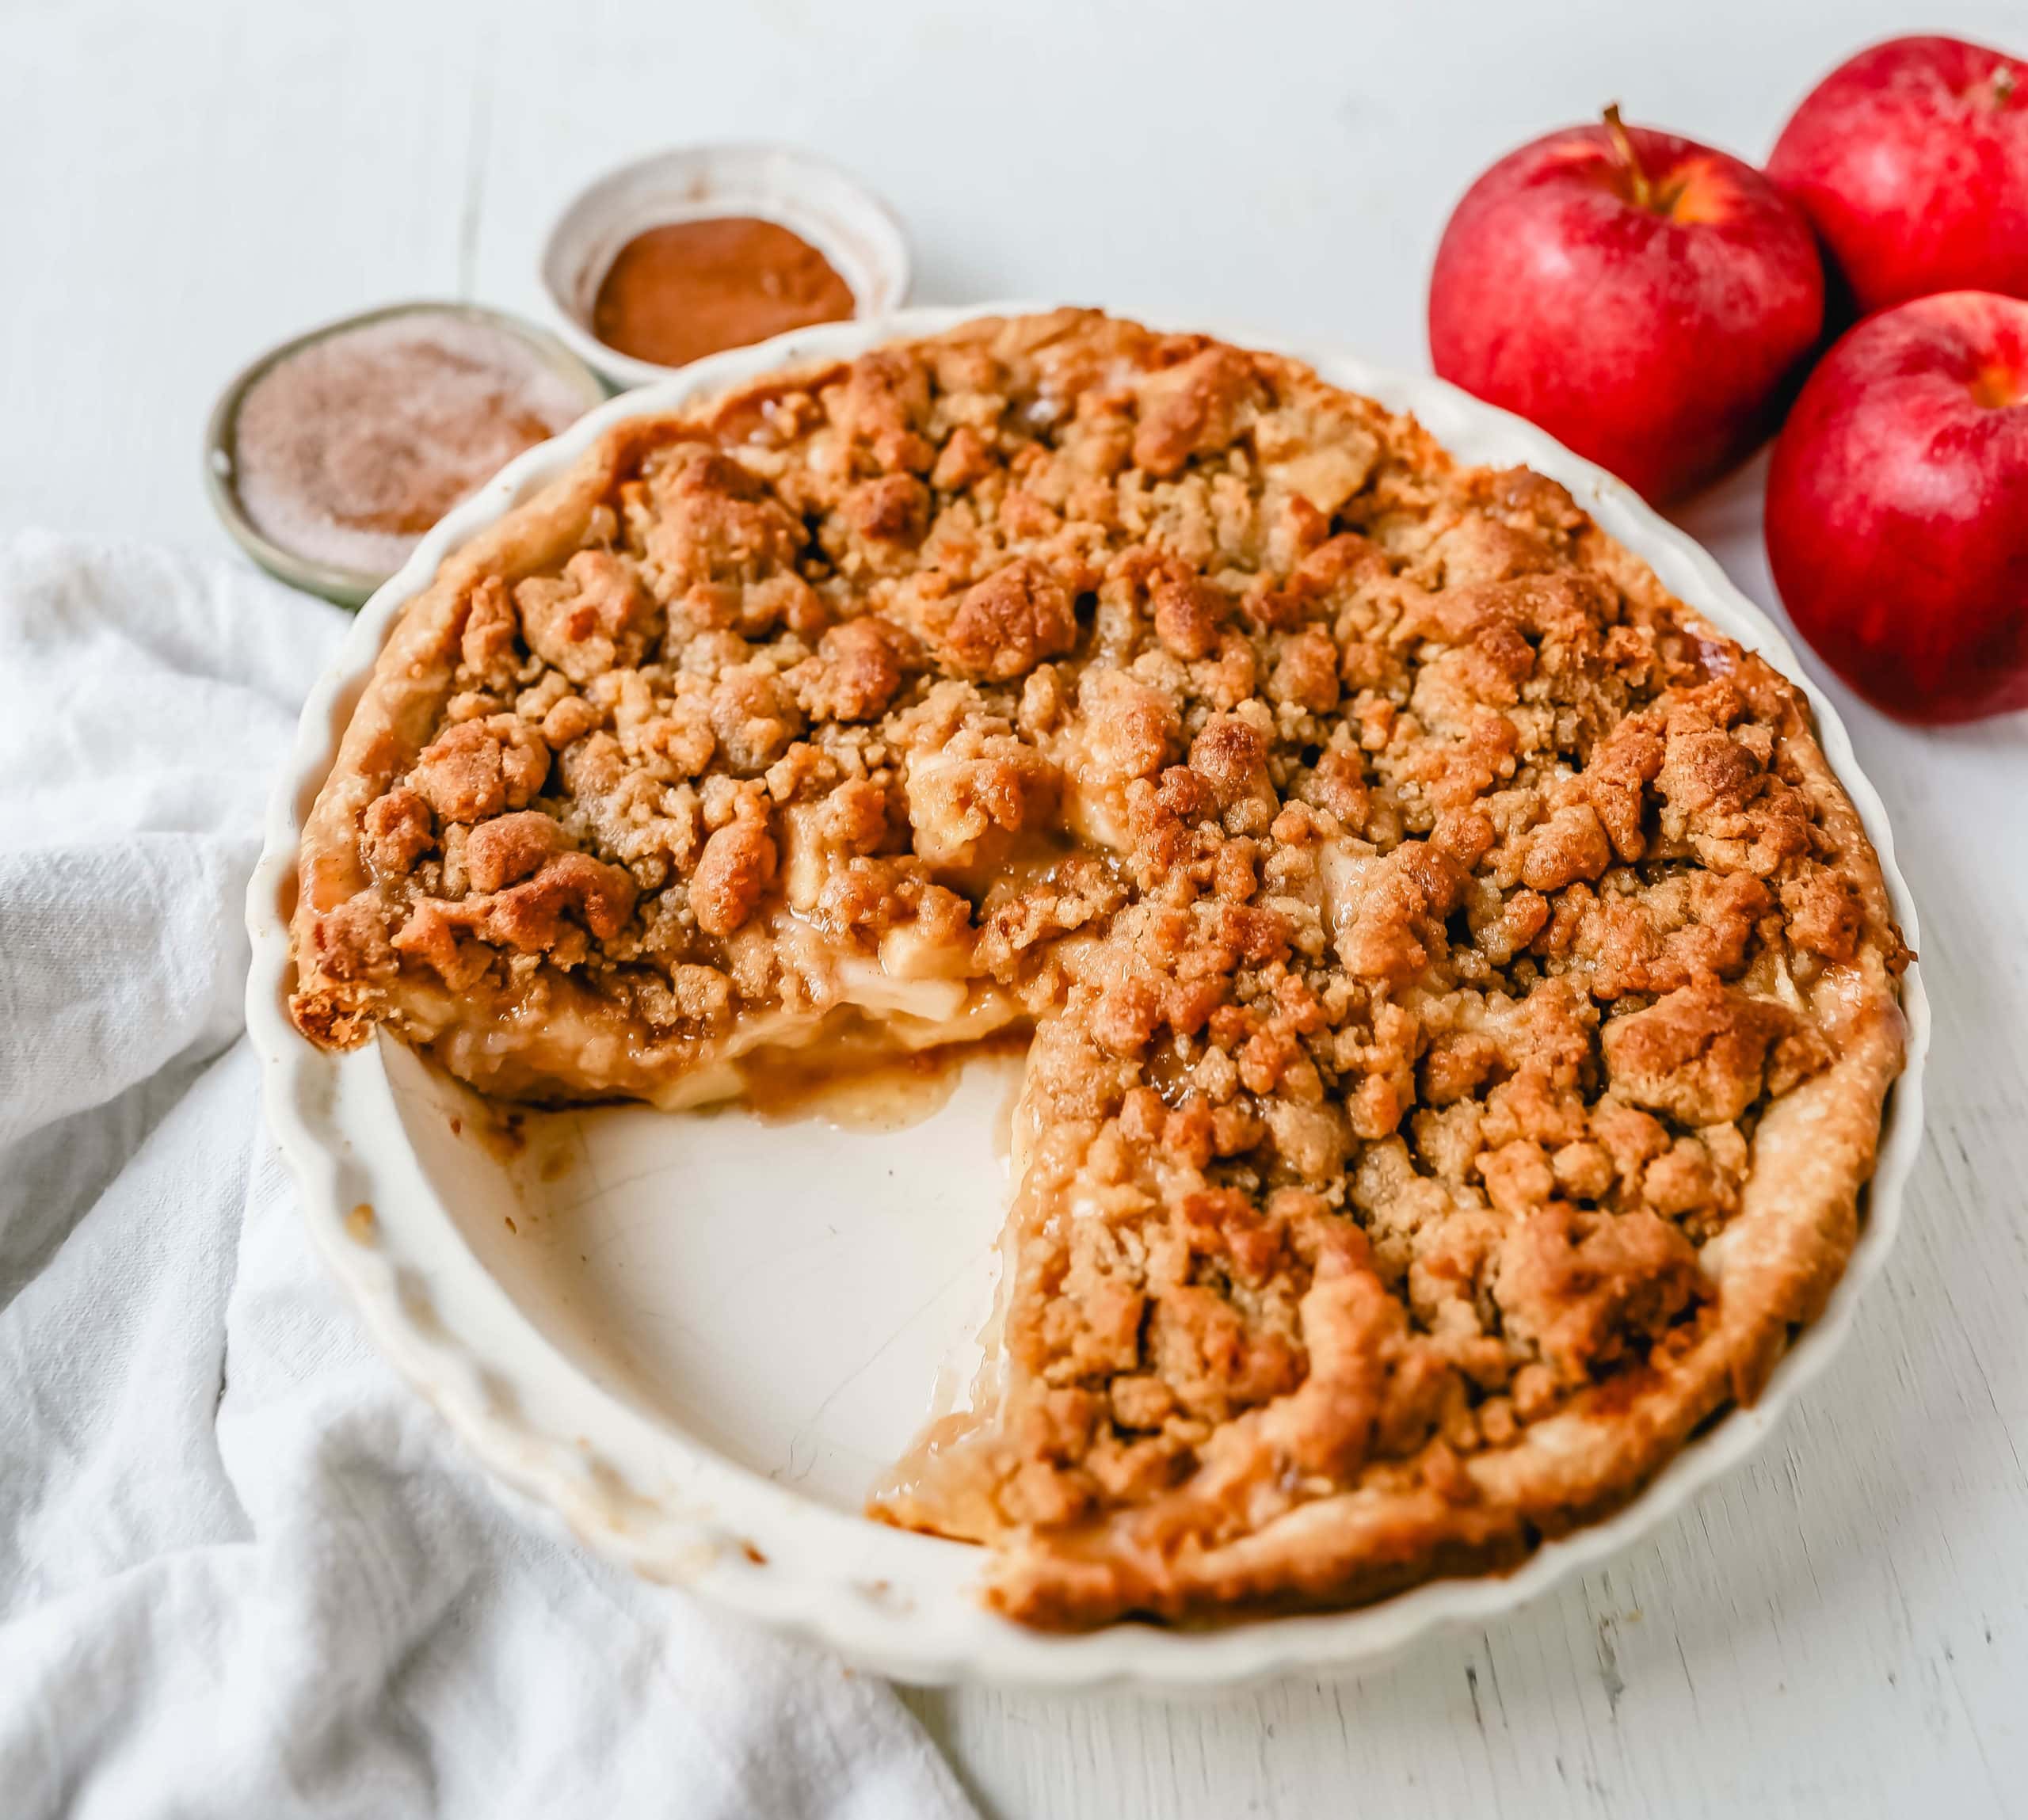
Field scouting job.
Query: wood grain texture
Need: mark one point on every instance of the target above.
(1841, 1629)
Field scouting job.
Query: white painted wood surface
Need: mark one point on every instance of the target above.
(1843, 1629)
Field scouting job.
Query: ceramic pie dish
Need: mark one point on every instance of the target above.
(600, 1301)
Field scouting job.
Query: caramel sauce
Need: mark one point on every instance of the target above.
(501, 1131)
(783, 1087)
(690, 288)
(944, 1484)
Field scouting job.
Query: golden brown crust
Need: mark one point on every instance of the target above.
(1464, 998)
(402, 705)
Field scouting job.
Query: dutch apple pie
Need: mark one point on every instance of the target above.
(1462, 998)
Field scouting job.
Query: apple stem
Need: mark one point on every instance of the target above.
(1644, 191)
(2003, 85)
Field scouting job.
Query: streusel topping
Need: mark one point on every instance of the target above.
(1417, 909)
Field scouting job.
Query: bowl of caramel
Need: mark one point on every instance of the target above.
(690, 252)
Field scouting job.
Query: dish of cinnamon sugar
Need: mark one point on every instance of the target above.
(346, 452)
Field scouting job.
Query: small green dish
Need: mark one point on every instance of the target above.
(348, 586)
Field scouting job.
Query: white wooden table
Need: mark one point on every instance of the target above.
(1842, 1629)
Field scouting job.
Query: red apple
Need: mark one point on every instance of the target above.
(1911, 160)
(1898, 508)
(1643, 298)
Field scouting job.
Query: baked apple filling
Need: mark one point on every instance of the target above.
(1463, 998)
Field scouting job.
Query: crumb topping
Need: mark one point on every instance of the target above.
(1416, 909)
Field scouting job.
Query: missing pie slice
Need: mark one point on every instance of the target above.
(1463, 998)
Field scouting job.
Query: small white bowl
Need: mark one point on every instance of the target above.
(347, 587)
(843, 219)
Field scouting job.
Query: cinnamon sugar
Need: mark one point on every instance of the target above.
(346, 451)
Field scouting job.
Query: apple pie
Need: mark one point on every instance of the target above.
(1462, 999)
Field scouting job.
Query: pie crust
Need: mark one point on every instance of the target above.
(1464, 999)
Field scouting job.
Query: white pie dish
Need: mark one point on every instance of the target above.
(699, 1338)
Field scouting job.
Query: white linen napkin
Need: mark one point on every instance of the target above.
(243, 1571)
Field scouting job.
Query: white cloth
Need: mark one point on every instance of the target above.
(242, 1571)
